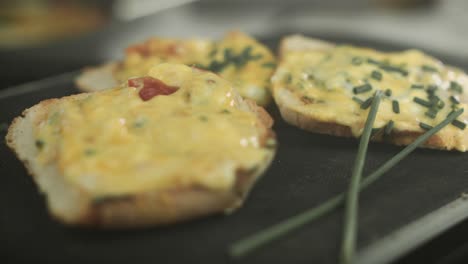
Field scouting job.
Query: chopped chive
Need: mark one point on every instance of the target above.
(357, 100)
(225, 111)
(372, 61)
(356, 61)
(39, 144)
(422, 102)
(424, 126)
(454, 100)
(376, 75)
(89, 152)
(362, 88)
(269, 65)
(456, 87)
(203, 118)
(389, 127)
(428, 68)
(243, 247)
(431, 113)
(396, 106)
(461, 125)
(388, 92)
(367, 103)
(440, 104)
(417, 86)
(432, 88)
(390, 68)
(348, 246)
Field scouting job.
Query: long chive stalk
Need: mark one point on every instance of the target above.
(348, 246)
(245, 246)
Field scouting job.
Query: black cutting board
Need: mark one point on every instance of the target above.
(414, 202)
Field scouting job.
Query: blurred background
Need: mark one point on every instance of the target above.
(44, 38)
(40, 38)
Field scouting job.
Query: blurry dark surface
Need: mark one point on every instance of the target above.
(308, 169)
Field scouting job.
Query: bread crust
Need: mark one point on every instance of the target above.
(309, 123)
(167, 206)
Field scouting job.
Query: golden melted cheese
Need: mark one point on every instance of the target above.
(323, 84)
(250, 78)
(113, 142)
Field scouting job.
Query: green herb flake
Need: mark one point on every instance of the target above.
(456, 87)
(390, 68)
(388, 92)
(454, 100)
(432, 113)
(372, 61)
(417, 86)
(424, 126)
(422, 102)
(203, 118)
(367, 103)
(389, 127)
(356, 61)
(376, 75)
(396, 107)
(362, 88)
(269, 65)
(461, 125)
(89, 152)
(39, 144)
(428, 68)
(225, 111)
(357, 100)
(431, 89)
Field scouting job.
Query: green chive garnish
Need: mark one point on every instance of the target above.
(422, 102)
(424, 126)
(389, 127)
(269, 65)
(39, 144)
(367, 103)
(456, 87)
(461, 125)
(428, 68)
(357, 100)
(90, 152)
(376, 75)
(390, 68)
(348, 246)
(203, 118)
(362, 88)
(356, 61)
(432, 113)
(396, 106)
(431, 89)
(388, 92)
(372, 61)
(417, 86)
(454, 100)
(244, 246)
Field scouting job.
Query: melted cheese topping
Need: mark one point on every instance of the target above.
(323, 84)
(250, 78)
(113, 142)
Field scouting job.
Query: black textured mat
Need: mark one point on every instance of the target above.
(308, 169)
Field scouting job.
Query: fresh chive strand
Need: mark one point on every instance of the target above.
(245, 246)
(388, 92)
(348, 246)
(389, 127)
(362, 88)
(422, 102)
(424, 126)
(454, 100)
(396, 107)
(461, 125)
(357, 100)
(376, 75)
(367, 103)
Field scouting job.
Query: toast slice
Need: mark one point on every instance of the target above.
(237, 57)
(177, 144)
(326, 88)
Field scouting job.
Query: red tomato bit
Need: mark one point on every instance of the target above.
(151, 87)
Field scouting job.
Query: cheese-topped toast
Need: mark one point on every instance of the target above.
(327, 88)
(175, 144)
(237, 57)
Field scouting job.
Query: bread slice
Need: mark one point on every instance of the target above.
(237, 57)
(315, 86)
(175, 177)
